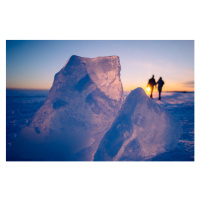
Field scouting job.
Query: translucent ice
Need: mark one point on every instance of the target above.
(81, 106)
(142, 130)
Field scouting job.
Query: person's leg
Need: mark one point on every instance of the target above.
(159, 94)
(151, 95)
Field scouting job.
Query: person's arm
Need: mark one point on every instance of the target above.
(156, 84)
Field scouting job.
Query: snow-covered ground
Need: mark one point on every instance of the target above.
(21, 105)
(181, 106)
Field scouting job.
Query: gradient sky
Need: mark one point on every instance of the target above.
(33, 63)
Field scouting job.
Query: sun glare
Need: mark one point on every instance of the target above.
(148, 90)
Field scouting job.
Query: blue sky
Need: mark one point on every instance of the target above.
(33, 63)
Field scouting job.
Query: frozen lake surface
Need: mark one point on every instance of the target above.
(21, 105)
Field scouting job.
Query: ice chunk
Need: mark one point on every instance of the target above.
(81, 106)
(142, 130)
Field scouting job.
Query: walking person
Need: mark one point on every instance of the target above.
(160, 83)
(151, 84)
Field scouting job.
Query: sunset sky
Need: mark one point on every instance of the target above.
(32, 64)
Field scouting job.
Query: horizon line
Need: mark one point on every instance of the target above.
(124, 90)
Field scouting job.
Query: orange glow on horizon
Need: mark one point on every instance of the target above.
(127, 86)
(168, 86)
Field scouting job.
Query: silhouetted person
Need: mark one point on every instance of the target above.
(151, 84)
(160, 85)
